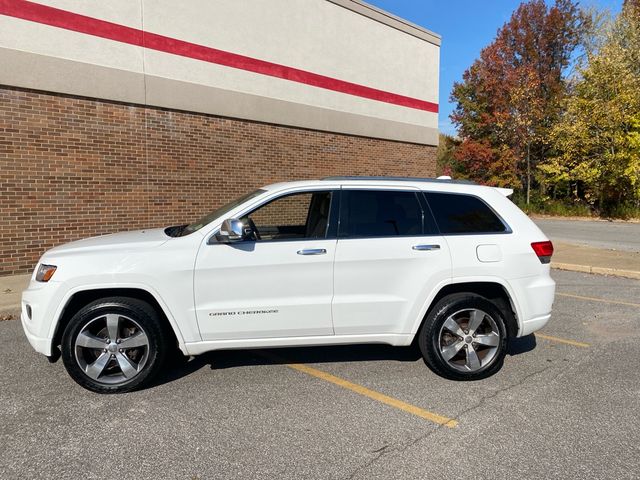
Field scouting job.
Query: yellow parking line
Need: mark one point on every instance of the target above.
(590, 299)
(595, 299)
(563, 340)
(380, 397)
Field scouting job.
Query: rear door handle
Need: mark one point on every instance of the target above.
(426, 247)
(312, 251)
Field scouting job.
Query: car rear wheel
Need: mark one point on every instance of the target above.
(464, 337)
(114, 345)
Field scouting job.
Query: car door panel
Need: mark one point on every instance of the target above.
(257, 290)
(382, 283)
(280, 284)
(383, 276)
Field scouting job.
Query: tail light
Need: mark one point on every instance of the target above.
(543, 250)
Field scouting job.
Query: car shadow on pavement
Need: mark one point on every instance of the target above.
(522, 345)
(180, 366)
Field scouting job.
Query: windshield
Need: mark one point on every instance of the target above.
(219, 213)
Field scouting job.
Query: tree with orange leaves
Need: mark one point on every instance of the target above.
(511, 96)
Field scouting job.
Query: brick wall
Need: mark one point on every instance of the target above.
(73, 167)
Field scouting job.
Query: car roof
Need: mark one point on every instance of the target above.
(399, 179)
(436, 184)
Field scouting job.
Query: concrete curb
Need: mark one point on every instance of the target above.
(616, 272)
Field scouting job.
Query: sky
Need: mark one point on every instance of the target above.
(466, 26)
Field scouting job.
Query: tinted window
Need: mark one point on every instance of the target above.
(463, 214)
(375, 213)
(296, 216)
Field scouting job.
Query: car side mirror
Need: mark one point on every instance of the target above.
(233, 230)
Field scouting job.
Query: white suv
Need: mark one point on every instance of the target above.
(341, 260)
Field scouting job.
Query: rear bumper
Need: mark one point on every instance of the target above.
(533, 325)
(535, 297)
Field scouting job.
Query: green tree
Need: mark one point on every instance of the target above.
(598, 136)
(512, 95)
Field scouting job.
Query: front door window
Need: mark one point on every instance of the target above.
(297, 216)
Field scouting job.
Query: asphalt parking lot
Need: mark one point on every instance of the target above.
(565, 405)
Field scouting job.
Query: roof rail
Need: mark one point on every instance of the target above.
(402, 179)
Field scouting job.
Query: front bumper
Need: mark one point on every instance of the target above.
(42, 300)
(39, 344)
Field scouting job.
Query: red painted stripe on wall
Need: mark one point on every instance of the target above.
(56, 17)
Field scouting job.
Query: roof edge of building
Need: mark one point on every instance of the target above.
(386, 18)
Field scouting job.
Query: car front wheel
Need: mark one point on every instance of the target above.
(114, 345)
(464, 337)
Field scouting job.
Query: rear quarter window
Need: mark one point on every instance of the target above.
(463, 214)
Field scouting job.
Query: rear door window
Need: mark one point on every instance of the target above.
(380, 213)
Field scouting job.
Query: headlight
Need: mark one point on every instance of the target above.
(45, 272)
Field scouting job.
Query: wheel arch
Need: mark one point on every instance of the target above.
(78, 299)
(493, 290)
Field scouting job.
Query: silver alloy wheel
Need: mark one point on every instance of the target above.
(112, 348)
(469, 340)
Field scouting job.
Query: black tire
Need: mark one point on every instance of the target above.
(136, 316)
(431, 342)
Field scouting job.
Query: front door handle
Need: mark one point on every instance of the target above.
(426, 247)
(312, 251)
